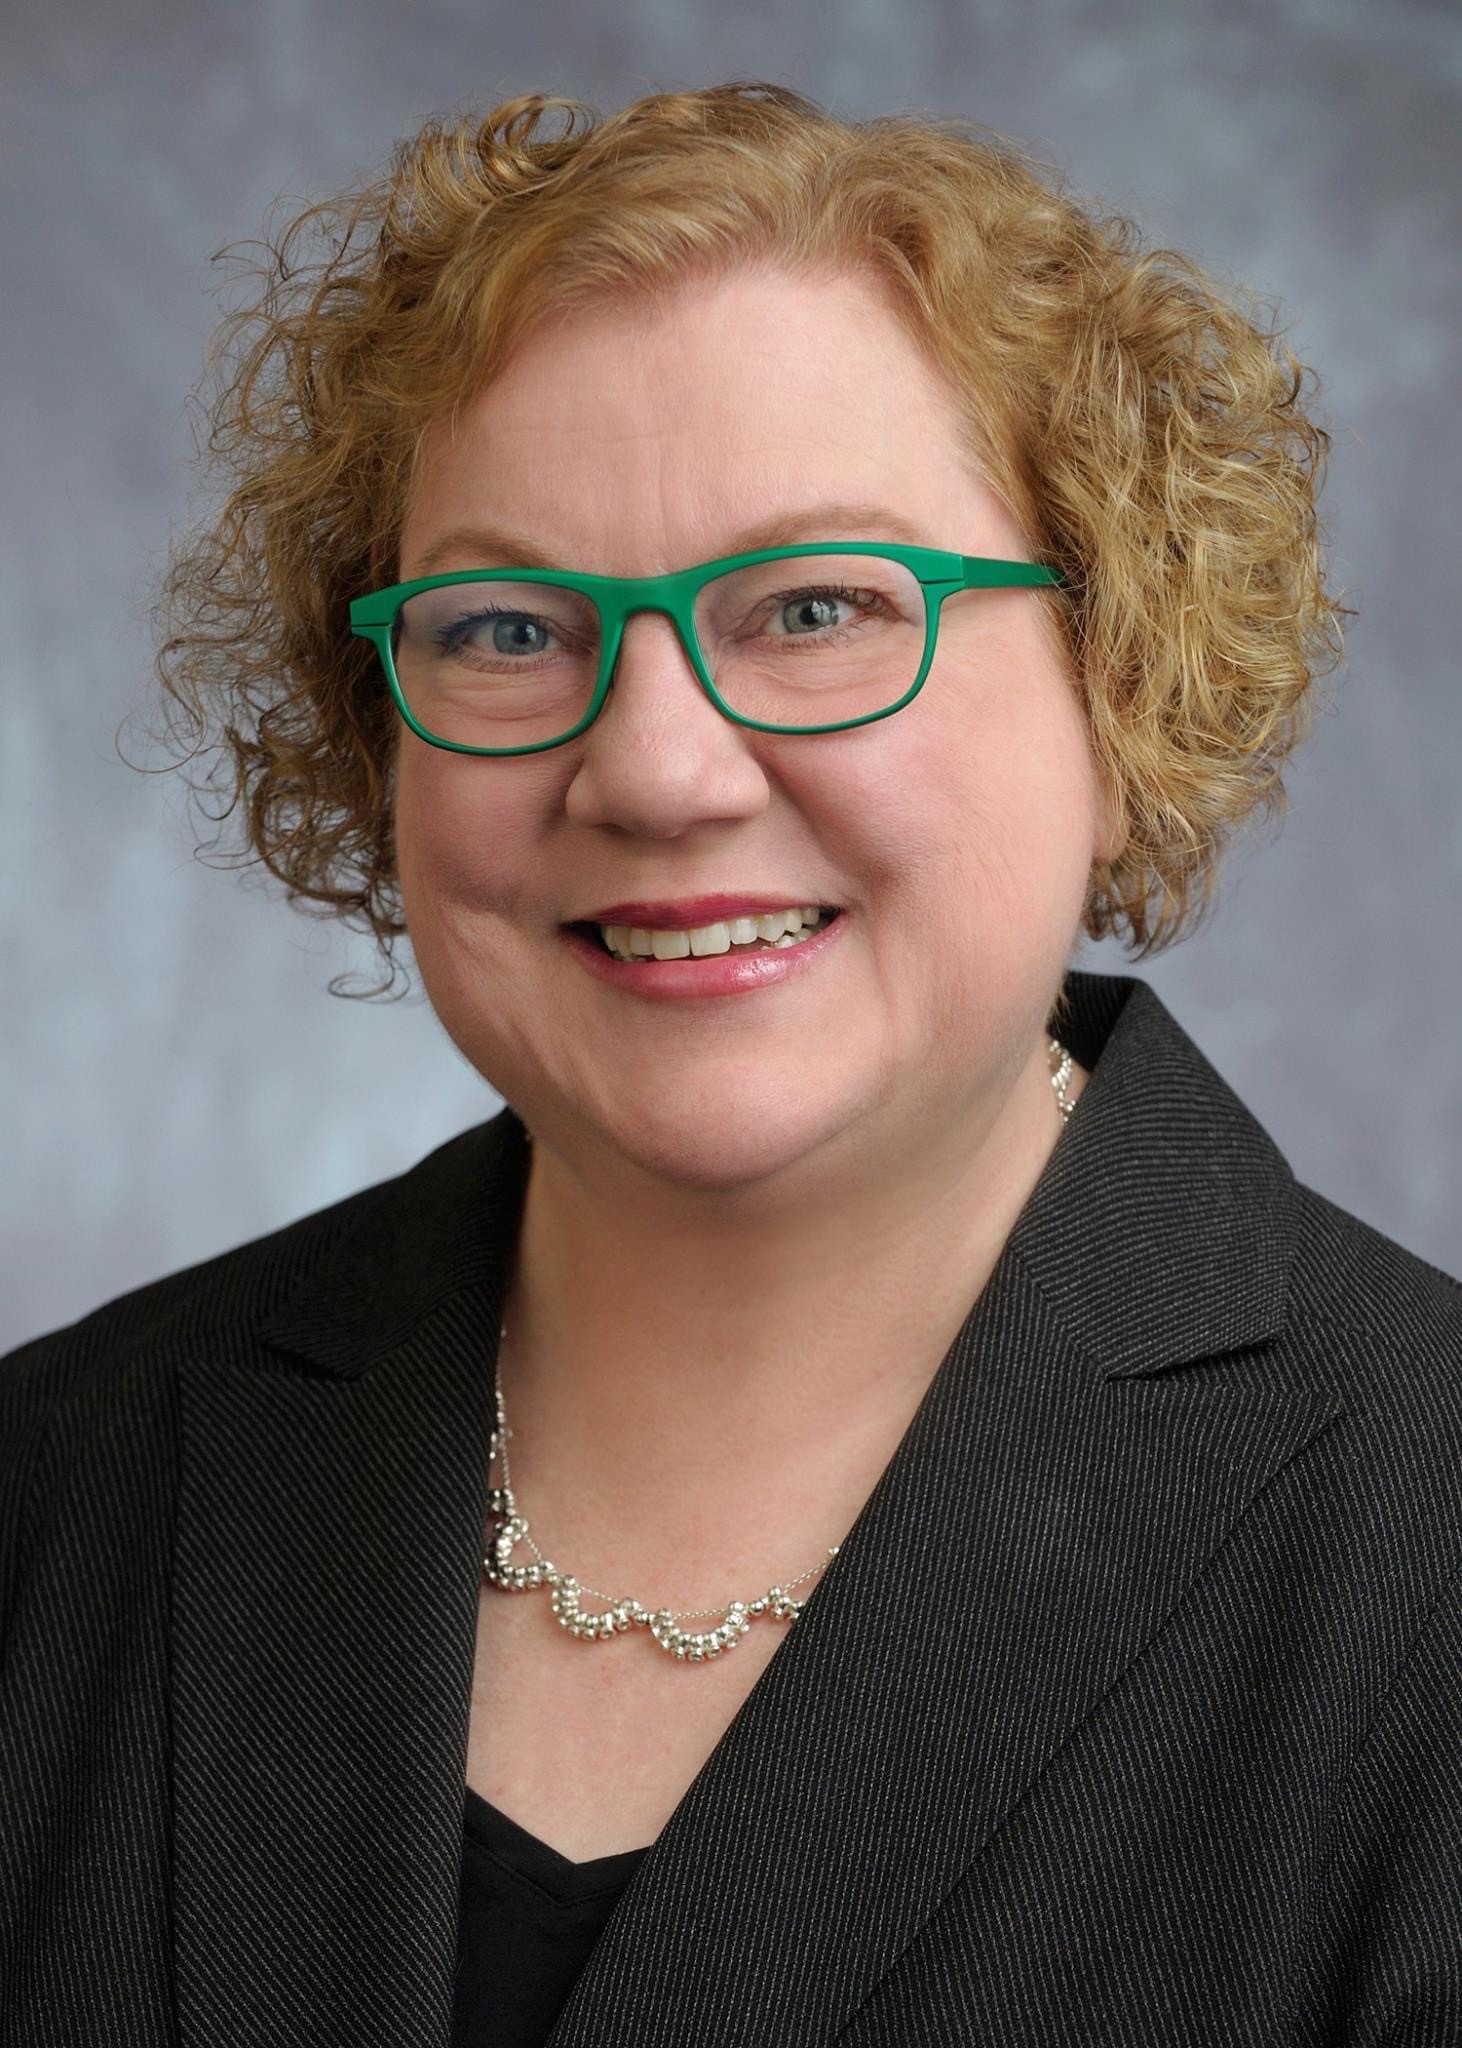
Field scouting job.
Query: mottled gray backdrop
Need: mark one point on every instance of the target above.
(176, 1078)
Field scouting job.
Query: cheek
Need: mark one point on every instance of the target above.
(969, 824)
(993, 857)
(459, 847)
(1016, 786)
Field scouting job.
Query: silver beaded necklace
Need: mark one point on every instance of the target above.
(620, 1615)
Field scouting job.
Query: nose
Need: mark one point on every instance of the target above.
(660, 759)
(653, 673)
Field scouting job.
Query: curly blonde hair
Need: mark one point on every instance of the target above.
(1142, 427)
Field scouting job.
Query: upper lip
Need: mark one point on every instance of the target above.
(690, 912)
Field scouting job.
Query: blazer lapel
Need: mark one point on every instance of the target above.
(1010, 1565)
(331, 1526)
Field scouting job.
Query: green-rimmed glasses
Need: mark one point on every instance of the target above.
(806, 639)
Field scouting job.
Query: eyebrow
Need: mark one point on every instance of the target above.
(499, 547)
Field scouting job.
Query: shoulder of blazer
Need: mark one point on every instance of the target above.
(1392, 1317)
(75, 1377)
(1350, 1271)
(217, 1298)
(1382, 1328)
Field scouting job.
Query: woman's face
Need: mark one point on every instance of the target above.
(956, 835)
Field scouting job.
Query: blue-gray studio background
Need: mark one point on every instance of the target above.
(176, 1079)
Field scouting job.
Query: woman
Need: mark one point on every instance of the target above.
(866, 1504)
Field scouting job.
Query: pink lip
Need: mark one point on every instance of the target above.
(690, 911)
(718, 974)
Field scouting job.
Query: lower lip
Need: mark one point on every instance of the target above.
(719, 974)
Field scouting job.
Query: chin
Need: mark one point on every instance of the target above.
(720, 1151)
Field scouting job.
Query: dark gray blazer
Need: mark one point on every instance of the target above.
(1130, 1711)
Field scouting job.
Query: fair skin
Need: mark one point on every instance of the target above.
(755, 1224)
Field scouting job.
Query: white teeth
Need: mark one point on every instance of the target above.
(777, 927)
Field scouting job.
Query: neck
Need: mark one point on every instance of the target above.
(695, 1386)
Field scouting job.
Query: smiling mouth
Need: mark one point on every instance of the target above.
(592, 932)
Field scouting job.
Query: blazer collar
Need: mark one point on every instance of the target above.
(1008, 1566)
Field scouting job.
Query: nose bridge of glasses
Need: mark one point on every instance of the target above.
(643, 621)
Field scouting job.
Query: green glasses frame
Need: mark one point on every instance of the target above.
(617, 597)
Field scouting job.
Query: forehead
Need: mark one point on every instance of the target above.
(682, 426)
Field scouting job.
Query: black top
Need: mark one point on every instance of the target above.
(528, 1918)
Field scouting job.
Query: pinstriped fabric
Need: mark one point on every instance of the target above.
(84, 1762)
(1127, 1713)
(245, 1957)
(1232, 1895)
